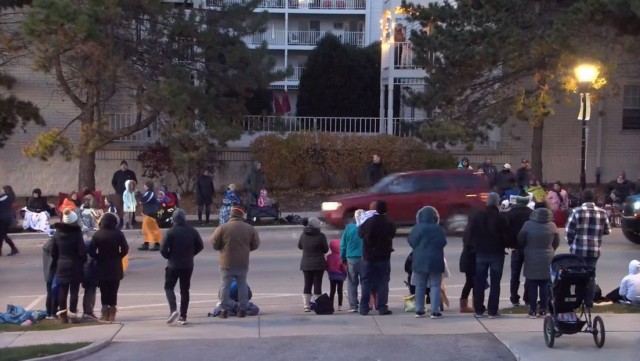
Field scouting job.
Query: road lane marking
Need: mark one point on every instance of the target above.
(35, 302)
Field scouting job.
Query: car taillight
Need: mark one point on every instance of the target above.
(484, 196)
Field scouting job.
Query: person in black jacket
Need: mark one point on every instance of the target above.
(375, 171)
(118, 183)
(108, 246)
(150, 230)
(313, 244)
(179, 246)
(205, 192)
(517, 217)
(377, 234)
(523, 174)
(488, 233)
(504, 180)
(7, 198)
(68, 256)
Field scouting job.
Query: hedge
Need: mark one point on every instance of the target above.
(310, 159)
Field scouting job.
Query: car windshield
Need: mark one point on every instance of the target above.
(393, 184)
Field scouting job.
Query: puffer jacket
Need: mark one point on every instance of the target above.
(129, 198)
(313, 244)
(427, 239)
(68, 253)
(539, 238)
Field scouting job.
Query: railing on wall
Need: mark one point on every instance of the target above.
(303, 38)
(299, 4)
(147, 135)
(297, 72)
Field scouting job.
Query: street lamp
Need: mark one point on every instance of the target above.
(586, 75)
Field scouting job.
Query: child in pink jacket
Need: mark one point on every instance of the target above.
(337, 272)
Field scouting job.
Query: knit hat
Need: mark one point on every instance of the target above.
(523, 201)
(506, 166)
(179, 217)
(69, 216)
(238, 212)
(314, 222)
(493, 199)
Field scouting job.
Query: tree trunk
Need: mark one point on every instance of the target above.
(87, 170)
(536, 150)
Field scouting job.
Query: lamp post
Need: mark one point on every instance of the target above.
(586, 75)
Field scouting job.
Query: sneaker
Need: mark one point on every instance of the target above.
(182, 320)
(307, 309)
(491, 317)
(223, 314)
(384, 312)
(353, 310)
(51, 317)
(420, 314)
(242, 313)
(339, 308)
(13, 252)
(156, 247)
(478, 315)
(172, 318)
(436, 315)
(532, 315)
(541, 314)
(515, 304)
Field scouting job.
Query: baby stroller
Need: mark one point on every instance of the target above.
(265, 208)
(166, 210)
(570, 281)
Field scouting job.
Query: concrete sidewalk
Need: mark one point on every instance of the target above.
(523, 337)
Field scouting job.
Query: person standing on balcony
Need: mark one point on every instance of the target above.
(254, 182)
(375, 170)
(118, 182)
(399, 39)
(205, 192)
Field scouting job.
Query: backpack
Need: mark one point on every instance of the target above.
(322, 305)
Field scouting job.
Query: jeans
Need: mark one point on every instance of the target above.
(375, 279)
(109, 293)
(591, 288)
(207, 211)
(492, 264)
(433, 282)
(171, 277)
(312, 278)
(52, 301)
(228, 275)
(533, 286)
(72, 290)
(89, 300)
(517, 261)
(353, 281)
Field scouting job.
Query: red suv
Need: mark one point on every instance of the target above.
(452, 192)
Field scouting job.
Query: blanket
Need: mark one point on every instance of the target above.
(252, 309)
(16, 315)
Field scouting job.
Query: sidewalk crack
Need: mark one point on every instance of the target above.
(377, 325)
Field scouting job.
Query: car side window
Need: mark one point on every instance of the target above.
(431, 183)
(401, 185)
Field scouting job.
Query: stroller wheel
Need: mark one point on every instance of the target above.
(598, 331)
(549, 331)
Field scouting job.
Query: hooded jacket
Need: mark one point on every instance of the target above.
(335, 267)
(181, 243)
(630, 285)
(488, 231)
(47, 260)
(539, 238)
(108, 247)
(129, 198)
(68, 253)
(427, 239)
(517, 217)
(313, 244)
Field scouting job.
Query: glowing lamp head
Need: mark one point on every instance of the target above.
(586, 73)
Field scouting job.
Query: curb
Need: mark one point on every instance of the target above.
(81, 352)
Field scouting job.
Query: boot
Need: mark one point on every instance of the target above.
(105, 314)
(156, 247)
(112, 313)
(464, 306)
(14, 251)
(62, 316)
(306, 300)
(144, 247)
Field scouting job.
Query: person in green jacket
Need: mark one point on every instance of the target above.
(351, 255)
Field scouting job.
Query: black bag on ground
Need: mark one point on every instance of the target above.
(322, 305)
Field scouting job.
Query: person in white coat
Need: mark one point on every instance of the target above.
(630, 285)
(129, 202)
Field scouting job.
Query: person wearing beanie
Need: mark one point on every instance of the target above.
(150, 230)
(313, 244)
(377, 234)
(179, 247)
(517, 216)
(488, 232)
(235, 240)
(68, 256)
(351, 255)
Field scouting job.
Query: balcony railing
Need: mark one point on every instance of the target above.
(118, 121)
(297, 72)
(299, 4)
(303, 38)
(404, 56)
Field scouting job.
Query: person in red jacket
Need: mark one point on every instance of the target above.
(337, 272)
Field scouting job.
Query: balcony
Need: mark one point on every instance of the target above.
(403, 57)
(297, 73)
(299, 4)
(303, 38)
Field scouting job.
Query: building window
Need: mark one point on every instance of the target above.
(631, 107)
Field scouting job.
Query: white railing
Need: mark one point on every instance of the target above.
(286, 124)
(303, 38)
(404, 56)
(297, 72)
(118, 121)
(299, 4)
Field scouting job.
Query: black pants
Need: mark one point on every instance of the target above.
(89, 300)
(468, 285)
(517, 261)
(52, 301)
(336, 285)
(313, 278)
(109, 293)
(72, 290)
(172, 275)
(207, 211)
(4, 230)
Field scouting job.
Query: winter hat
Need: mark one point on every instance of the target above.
(493, 199)
(357, 215)
(179, 217)
(232, 187)
(238, 212)
(314, 222)
(523, 201)
(506, 166)
(69, 217)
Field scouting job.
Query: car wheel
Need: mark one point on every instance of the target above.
(628, 229)
(456, 222)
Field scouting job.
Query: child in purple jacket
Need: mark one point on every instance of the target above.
(337, 272)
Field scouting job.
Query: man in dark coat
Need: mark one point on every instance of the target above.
(490, 171)
(488, 232)
(504, 179)
(205, 191)
(377, 234)
(375, 171)
(620, 188)
(523, 174)
(254, 182)
(517, 217)
(117, 182)
(179, 246)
